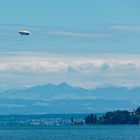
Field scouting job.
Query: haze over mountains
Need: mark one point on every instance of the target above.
(64, 98)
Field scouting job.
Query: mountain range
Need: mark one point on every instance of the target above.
(64, 98)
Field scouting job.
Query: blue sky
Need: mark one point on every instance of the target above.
(82, 16)
(72, 30)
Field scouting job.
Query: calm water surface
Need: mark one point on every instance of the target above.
(97, 132)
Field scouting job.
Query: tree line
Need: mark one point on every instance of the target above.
(115, 117)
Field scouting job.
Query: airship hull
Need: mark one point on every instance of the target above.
(24, 33)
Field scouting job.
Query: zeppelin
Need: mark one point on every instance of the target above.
(24, 32)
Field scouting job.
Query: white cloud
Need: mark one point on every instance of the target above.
(79, 34)
(126, 27)
(88, 71)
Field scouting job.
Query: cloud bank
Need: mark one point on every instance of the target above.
(86, 71)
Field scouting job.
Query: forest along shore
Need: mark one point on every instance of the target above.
(110, 117)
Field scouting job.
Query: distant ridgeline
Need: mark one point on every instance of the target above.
(115, 117)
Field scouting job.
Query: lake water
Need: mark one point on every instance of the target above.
(96, 132)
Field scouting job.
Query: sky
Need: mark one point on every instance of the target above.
(88, 43)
